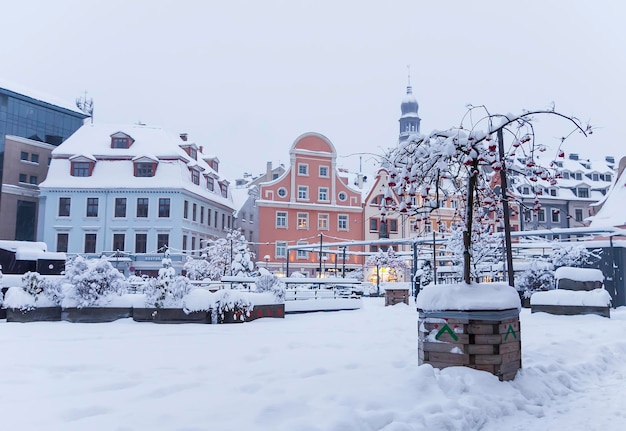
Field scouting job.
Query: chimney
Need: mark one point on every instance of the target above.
(268, 171)
(183, 136)
(200, 148)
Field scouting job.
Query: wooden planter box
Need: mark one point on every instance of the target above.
(396, 296)
(484, 340)
(170, 315)
(270, 310)
(571, 310)
(41, 314)
(95, 314)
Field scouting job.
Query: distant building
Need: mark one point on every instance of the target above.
(45, 123)
(134, 190)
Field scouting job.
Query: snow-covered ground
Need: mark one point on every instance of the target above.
(340, 371)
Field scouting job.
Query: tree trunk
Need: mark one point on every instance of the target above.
(469, 211)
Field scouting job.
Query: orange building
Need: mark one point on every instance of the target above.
(309, 202)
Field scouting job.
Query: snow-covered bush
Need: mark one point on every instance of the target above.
(235, 301)
(268, 282)
(539, 276)
(167, 290)
(89, 283)
(33, 283)
(197, 269)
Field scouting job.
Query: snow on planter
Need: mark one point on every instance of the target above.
(474, 326)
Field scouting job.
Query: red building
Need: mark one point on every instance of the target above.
(309, 202)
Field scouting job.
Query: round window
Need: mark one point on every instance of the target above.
(342, 196)
(282, 192)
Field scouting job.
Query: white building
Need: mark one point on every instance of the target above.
(134, 189)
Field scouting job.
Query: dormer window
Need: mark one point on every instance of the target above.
(195, 176)
(82, 169)
(224, 189)
(121, 140)
(191, 151)
(145, 169)
(210, 183)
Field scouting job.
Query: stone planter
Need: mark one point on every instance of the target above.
(487, 340)
(95, 314)
(41, 314)
(270, 310)
(170, 315)
(571, 310)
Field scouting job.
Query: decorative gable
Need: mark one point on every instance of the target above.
(121, 140)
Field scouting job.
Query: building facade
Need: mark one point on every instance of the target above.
(38, 118)
(133, 190)
(310, 203)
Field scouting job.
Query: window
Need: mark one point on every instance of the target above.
(194, 210)
(184, 243)
(119, 142)
(24, 155)
(566, 175)
(142, 207)
(215, 219)
(201, 215)
(92, 207)
(81, 169)
(224, 190)
(90, 242)
(541, 215)
(607, 177)
(141, 242)
(342, 222)
(223, 221)
(342, 196)
(145, 169)
(303, 169)
(303, 220)
(186, 209)
(578, 215)
(552, 192)
(322, 221)
(556, 217)
(64, 207)
(323, 194)
(281, 249)
(193, 245)
(119, 240)
(578, 176)
(23, 178)
(324, 171)
(281, 219)
(163, 240)
(62, 242)
(164, 207)
(32, 179)
(282, 192)
(210, 183)
(373, 225)
(525, 190)
(595, 177)
(302, 254)
(208, 216)
(583, 192)
(34, 158)
(195, 177)
(120, 207)
(303, 192)
(393, 225)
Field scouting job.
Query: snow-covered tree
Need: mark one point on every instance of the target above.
(571, 254)
(197, 269)
(385, 259)
(167, 290)
(537, 277)
(242, 265)
(468, 157)
(427, 275)
(268, 282)
(219, 252)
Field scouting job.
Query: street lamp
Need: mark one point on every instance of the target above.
(267, 260)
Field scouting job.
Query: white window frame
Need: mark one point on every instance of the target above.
(279, 217)
(321, 193)
(557, 213)
(342, 222)
(302, 221)
(281, 249)
(323, 221)
(324, 167)
(303, 169)
(302, 254)
(303, 193)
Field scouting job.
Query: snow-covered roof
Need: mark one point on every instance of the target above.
(612, 212)
(114, 168)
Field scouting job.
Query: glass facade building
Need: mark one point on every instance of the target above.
(29, 116)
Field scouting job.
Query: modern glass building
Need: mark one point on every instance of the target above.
(39, 118)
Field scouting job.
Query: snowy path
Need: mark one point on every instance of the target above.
(340, 371)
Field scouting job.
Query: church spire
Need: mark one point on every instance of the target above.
(409, 120)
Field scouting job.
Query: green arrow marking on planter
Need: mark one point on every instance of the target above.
(510, 331)
(446, 328)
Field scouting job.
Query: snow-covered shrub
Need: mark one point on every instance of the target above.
(197, 269)
(242, 264)
(93, 282)
(538, 277)
(167, 290)
(33, 283)
(234, 301)
(36, 291)
(268, 282)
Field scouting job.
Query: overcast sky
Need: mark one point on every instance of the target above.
(246, 78)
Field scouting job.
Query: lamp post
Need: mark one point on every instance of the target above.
(267, 260)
